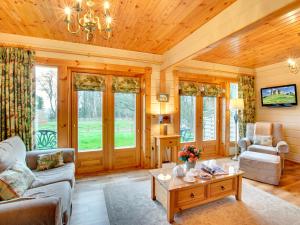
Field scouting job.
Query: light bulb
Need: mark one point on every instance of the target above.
(291, 62)
(68, 10)
(108, 20)
(106, 5)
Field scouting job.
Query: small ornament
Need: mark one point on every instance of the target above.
(178, 171)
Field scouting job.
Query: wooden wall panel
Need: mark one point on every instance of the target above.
(275, 75)
(145, 26)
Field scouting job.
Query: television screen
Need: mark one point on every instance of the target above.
(279, 96)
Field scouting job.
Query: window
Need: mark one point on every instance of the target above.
(233, 95)
(125, 120)
(187, 118)
(46, 107)
(89, 120)
(209, 118)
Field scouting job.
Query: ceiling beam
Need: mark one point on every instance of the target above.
(239, 15)
(43, 45)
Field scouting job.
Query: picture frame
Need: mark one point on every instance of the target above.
(163, 97)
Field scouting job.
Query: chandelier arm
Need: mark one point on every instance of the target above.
(78, 20)
(98, 23)
(73, 32)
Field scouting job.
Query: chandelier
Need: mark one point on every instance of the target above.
(88, 22)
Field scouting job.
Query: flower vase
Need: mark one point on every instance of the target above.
(189, 165)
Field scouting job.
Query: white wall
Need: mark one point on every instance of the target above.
(274, 75)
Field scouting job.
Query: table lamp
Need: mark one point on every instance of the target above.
(236, 104)
(165, 119)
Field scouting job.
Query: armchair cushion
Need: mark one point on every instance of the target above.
(263, 128)
(282, 147)
(265, 140)
(263, 149)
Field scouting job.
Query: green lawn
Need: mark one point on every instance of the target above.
(279, 98)
(90, 134)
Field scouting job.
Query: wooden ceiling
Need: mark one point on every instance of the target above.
(152, 26)
(271, 40)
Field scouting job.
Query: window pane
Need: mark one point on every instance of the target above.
(89, 120)
(233, 95)
(187, 118)
(46, 109)
(209, 118)
(125, 120)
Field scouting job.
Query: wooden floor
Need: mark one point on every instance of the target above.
(89, 204)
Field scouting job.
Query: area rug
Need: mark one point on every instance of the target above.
(130, 204)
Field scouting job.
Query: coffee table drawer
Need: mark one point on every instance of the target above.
(190, 195)
(221, 187)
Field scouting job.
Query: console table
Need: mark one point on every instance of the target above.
(162, 142)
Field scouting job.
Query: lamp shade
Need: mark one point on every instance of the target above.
(237, 104)
(164, 118)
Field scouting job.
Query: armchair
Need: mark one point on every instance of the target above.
(279, 146)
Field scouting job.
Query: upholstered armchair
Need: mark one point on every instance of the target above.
(265, 130)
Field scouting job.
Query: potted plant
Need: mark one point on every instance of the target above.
(189, 154)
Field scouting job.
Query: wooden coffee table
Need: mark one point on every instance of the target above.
(176, 195)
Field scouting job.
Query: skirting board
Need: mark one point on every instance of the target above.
(294, 157)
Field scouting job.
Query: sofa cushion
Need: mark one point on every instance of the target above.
(11, 150)
(64, 173)
(15, 181)
(61, 190)
(263, 149)
(50, 160)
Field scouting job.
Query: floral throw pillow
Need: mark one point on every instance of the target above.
(15, 181)
(263, 140)
(50, 161)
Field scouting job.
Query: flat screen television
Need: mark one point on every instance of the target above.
(279, 96)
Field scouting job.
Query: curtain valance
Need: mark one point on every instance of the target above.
(89, 82)
(189, 88)
(126, 84)
(194, 88)
(211, 90)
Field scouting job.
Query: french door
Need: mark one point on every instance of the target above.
(106, 128)
(199, 123)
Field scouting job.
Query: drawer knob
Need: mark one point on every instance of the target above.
(192, 195)
(223, 188)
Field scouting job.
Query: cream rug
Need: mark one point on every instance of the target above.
(130, 204)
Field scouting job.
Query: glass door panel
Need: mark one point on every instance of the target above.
(90, 121)
(46, 107)
(124, 120)
(187, 118)
(209, 118)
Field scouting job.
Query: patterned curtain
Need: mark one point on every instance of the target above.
(247, 93)
(211, 90)
(126, 85)
(189, 88)
(88, 82)
(17, 94)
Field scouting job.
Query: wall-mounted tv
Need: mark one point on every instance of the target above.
(279, 96)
